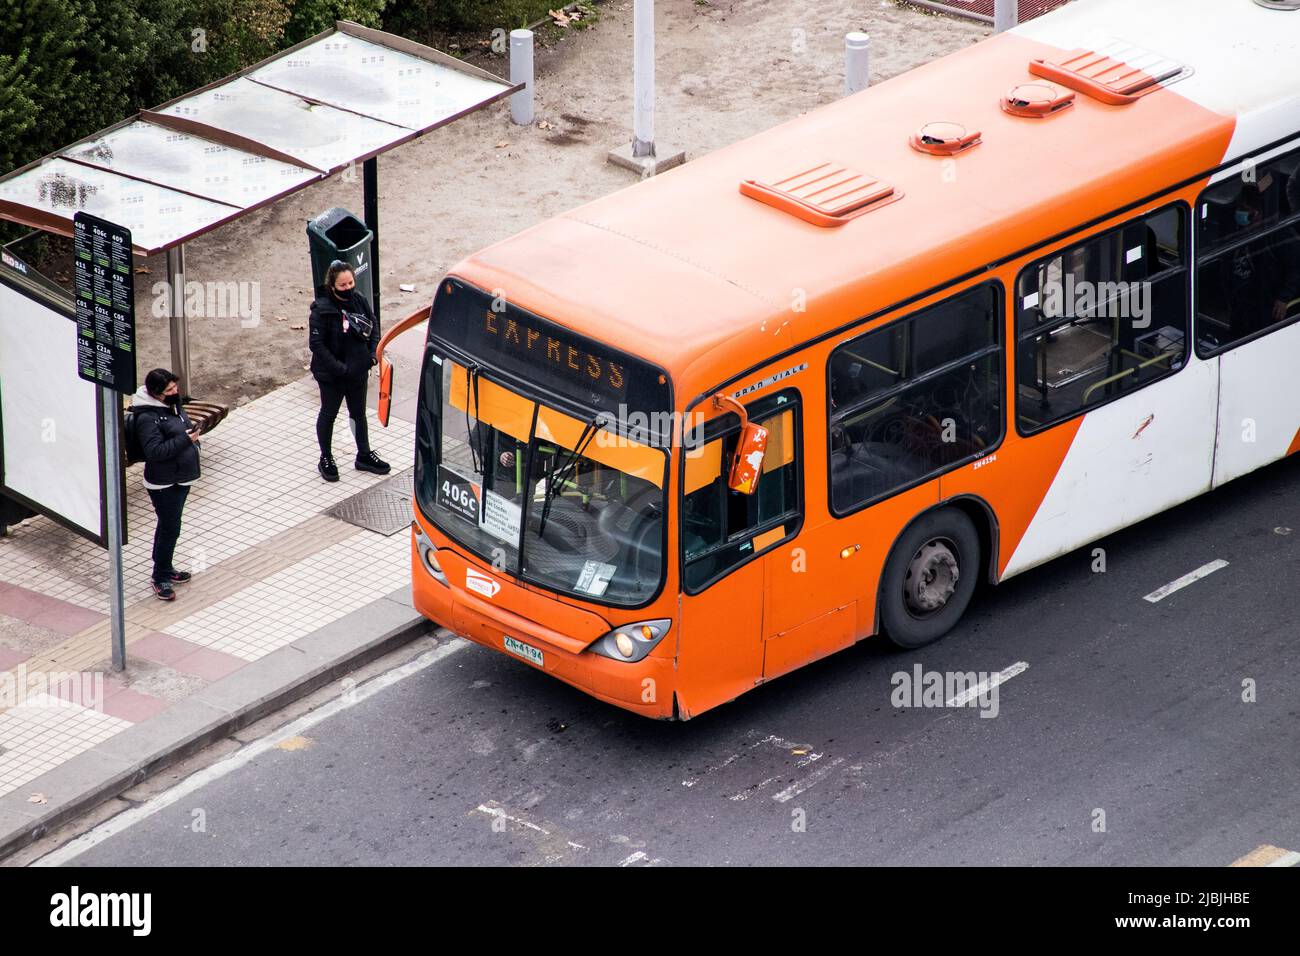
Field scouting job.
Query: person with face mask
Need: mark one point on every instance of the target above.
(343, 334)
(1256, 277)
(170, 443)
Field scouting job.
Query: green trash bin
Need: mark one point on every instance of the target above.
(337, 234)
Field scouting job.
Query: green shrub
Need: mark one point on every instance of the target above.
(422, 19)
(310, 17)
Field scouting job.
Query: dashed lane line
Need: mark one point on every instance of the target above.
(986, 685)
(1159, 594)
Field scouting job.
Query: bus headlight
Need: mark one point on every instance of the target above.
(428, 554)
(631, 642)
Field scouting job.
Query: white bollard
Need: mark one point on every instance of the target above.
(643, 84)
(857, 62)
(1006, 14)
(521, 71)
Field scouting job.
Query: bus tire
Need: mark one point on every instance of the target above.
(929, 578)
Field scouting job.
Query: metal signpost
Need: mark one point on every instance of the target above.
(104, 285)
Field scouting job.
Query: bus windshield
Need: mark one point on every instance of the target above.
(563, 503)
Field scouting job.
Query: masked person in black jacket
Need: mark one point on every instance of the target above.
(170, 442)
(344, 337)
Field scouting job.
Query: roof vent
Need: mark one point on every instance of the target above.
(825, 195)
(1036, 100)
(944, 139)
(1117, 73)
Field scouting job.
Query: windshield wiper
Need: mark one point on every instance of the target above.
(477, 454)
(556, 477)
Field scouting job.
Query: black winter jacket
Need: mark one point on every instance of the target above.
(338, 357)
(169, 455)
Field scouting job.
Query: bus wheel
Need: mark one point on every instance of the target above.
(929, 579)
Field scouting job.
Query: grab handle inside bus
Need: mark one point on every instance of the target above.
(386, 367)
(751, 447)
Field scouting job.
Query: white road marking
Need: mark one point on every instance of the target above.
(243, 756)
(1159, 594)
(1287, 859)
(746, 794)
(772, 739)
(984, 686)
(640, 856)
(498, 812)
(495, 811)
(803, 762)
(792, 791)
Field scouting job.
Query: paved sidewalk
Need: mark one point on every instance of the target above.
(284, 597)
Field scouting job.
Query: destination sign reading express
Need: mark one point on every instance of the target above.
(104, 285)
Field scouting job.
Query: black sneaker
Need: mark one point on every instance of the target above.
(164, 590)
(328, 470)
(179, 577)
(373, 463)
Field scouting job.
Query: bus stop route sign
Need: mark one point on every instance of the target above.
(104, 285)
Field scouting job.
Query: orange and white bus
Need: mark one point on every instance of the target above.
(981, 314)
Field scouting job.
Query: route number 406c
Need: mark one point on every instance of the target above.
(457, 494)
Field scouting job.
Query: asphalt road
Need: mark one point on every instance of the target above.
(1128, 707)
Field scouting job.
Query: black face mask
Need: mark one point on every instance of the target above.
(172, 399)
(343, 296)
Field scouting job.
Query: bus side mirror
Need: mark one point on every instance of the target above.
(385, 390)
(751, 446)
(386, 367)
(747, 465)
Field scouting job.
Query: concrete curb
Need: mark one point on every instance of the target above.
(220, 709)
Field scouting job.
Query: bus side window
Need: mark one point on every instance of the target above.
(940, 405)
(1112, 320)
(721, 528)
(1248, 255)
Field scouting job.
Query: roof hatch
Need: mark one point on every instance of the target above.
(1116, 73)
(944, 139)
(1036, 100)
(828, 194)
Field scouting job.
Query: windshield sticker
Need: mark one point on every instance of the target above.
(594, 578)
(501, 517)
(459, 495)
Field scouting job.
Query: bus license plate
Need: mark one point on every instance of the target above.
(526, 651)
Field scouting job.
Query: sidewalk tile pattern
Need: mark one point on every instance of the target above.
(43, 732)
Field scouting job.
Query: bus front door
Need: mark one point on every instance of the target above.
(720, 648)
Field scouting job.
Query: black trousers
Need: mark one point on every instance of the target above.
(331, 397)
(168, 503)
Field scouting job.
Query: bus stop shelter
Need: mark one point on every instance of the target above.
(201, 161)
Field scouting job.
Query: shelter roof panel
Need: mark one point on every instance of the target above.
(192, 164)
(374, 80)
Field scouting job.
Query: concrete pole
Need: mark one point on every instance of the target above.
(521, 71)
(1006, 14)
(179, 322)
(643, 87)
(857, 62)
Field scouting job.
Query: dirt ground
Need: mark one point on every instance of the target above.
(725, 69)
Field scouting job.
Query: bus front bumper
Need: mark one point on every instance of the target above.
(644, 687)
